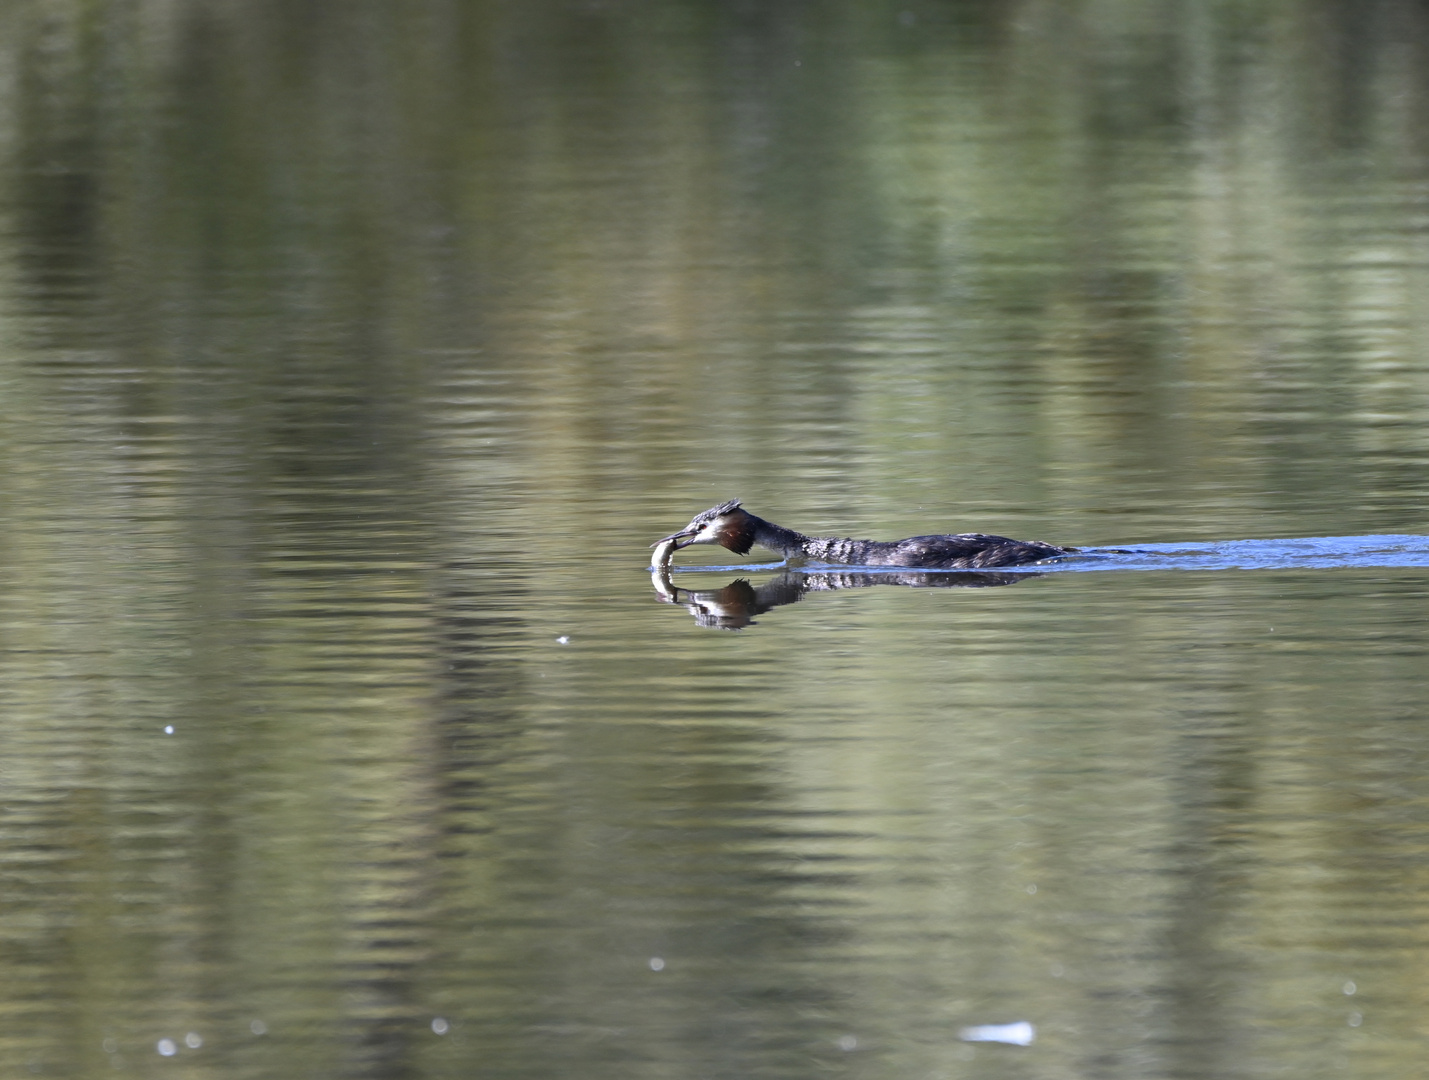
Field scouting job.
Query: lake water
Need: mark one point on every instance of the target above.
(351, 357)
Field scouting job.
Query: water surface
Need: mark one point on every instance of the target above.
(350, 357)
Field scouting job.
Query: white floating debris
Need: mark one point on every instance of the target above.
(258, 1027)
(167, 1047)
(848, 1042)
(440, 1026)
(168, 729)
(1349, 988)
(193, 1040)
(1019, 1034)
(563, 640)
(657, 963)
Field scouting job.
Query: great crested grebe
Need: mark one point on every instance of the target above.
(732, 527)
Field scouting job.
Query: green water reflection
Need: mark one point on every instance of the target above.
(350, 355)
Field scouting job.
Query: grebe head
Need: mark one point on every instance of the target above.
(725, 524)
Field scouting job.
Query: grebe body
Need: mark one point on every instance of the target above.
(737, 529)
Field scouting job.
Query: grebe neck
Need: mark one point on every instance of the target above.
(786, 542)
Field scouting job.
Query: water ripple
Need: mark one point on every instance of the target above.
(1311, 552)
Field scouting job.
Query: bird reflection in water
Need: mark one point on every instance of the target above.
(735, 606)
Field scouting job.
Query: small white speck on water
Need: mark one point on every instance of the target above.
(168, 729)
(440, 1025)
(1020, 1033)
(848, 1042)
(657, 963)
(563, 640)
(1356, 1019)
(1349, 987)
(193, 1040)
(167, 1047)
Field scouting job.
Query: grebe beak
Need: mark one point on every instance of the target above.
(677, 536)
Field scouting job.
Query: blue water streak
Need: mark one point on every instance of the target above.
(1306, 553)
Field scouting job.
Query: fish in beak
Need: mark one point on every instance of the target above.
(676, 538)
